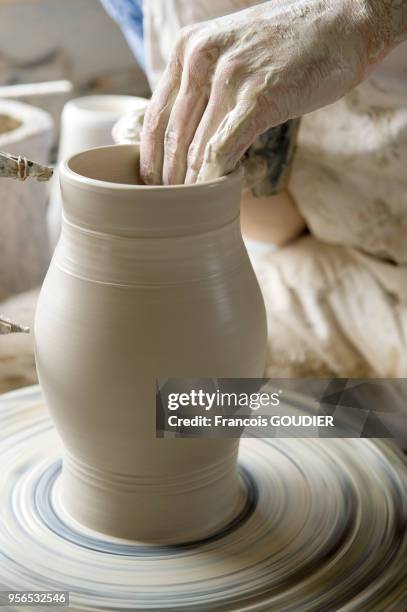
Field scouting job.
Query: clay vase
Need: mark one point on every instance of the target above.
(145, 282)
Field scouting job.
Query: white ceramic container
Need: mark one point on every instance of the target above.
(146, 282)
(24, 251)
(86, 123)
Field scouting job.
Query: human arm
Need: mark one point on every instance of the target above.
(232, 78)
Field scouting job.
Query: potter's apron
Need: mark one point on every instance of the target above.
(338, 300)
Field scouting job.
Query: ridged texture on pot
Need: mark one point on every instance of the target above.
(145, 282)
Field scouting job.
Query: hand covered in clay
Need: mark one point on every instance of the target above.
(128, 129)
(230, 79)
(266, 163)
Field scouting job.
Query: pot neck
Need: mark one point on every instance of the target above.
(136, 210)
(152, 261)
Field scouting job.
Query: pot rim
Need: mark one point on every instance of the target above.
(79, 179)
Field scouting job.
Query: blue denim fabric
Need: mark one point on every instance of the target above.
(129, 15)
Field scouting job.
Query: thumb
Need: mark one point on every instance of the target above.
(128, 129)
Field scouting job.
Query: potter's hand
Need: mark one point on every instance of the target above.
(234, 77)
(266, 165)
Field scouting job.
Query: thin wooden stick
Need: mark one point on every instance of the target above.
(20, 168)
(9, 327)
(27, 90)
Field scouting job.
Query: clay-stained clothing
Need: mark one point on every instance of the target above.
(341, 295)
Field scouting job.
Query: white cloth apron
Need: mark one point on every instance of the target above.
(336, 304)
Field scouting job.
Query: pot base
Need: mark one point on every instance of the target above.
(324, 527)
(166, 511)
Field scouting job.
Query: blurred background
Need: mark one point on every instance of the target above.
(51, 51)
(46, 41)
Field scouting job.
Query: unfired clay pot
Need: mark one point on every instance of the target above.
(145, 282)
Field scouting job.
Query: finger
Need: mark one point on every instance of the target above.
(214, 113)
(155, 122)
(128, 129)
(240, 127)
(229, 143)
(225, 89)
(187, 110)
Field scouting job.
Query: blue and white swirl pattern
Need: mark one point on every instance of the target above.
(324, 529)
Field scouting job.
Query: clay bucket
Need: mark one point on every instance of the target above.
(145, 282)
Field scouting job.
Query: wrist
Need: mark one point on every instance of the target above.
(382, 25)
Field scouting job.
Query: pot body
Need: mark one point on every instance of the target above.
(145, 282)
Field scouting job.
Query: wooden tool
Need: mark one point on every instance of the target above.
(21, 168)
(8, 327)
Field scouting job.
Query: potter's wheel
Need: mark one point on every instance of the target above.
(324, 529)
